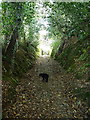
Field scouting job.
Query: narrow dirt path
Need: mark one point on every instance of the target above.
(37, 99)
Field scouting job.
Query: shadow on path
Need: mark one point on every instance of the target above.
(37, 99)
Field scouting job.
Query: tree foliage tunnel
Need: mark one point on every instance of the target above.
(69, 28)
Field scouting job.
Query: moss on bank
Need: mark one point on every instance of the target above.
(75, 57)
(23, 61)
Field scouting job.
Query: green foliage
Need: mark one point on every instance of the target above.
(66, 58)
(53, 53)
(81, 71)
(12, 14)
(72, 68)
(24, 58)
(75, 58)
(84, 56)
(69, 19)
(11, 79)
(82, 93)
(55, 48)
(22, 62)
(78, 76)
(21, 15)
(29, 12)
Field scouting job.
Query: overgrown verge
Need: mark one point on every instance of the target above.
(75, 58)
(23, 60)
(19, 46)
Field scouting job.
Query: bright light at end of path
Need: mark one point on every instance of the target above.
(45, 48)
(42, 32)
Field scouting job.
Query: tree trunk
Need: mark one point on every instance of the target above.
(10, 48)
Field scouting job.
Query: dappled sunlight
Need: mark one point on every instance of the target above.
(44, 41)
(45, 59)
(42, 33)
(45, 49)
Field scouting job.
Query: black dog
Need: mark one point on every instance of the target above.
(44, 76)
